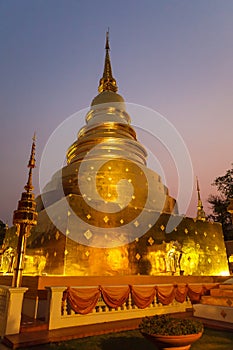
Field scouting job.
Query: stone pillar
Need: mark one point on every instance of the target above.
(11, 300)
(55, 295)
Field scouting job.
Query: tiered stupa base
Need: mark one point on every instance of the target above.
(218, 306)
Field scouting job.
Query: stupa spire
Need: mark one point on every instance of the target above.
(107, 82)
(200, 211)
(31, 164)
(24, 218)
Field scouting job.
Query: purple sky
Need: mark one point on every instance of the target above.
(172, 56)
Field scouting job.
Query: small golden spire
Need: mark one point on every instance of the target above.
(24, 218)
(31, 165)
(200, 211)
(107, 82)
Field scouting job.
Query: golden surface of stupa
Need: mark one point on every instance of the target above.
(105, 212)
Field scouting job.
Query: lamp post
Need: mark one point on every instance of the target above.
(24, 218)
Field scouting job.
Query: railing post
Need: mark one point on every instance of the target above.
(11, 300)
(54, 315)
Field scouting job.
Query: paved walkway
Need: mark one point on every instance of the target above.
(30, 338)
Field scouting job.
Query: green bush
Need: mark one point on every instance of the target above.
(167, 325)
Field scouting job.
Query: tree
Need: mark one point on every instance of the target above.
(219, 203)
(2, 232)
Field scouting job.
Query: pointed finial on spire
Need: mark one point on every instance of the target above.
(107, 82)
(198, 189)
(31, 165)
(107, 47)
(200, 211)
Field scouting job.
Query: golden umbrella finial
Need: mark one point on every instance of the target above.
(107, 82)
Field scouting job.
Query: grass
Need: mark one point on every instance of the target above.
(211, 340)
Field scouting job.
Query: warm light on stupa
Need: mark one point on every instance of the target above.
(106, 213)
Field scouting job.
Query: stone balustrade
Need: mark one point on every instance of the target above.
(61, 314)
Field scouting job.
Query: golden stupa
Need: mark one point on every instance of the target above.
(105, 212)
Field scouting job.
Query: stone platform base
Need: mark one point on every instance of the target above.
(214, 312)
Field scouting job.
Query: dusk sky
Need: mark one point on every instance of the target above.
(175, 57)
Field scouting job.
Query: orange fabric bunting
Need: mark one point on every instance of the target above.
(82, 300)
(115, 296)
(181, 292)
(143, 295)
(165, 294)
(195, 292)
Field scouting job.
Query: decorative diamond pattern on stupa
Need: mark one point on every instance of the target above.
(149, 225)
(196, 232)
(216, 248)
(137, 256)
(68, 213)
(136, 223)
(88, 216)
(106, 219)
(88, 234)
(186, 231)
(122, 221)
(87, 253)
(66, 252)
(205, 234)
(209, 260)
(136, 239)
(67, 232)
(223, 314)
(150, 240)
(162, 228)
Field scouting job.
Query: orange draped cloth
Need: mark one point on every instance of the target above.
(165, 294)
(143, 295)
(195, 292)
(181, 291)
(115, 296)
(82, 300)
(207, 287)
